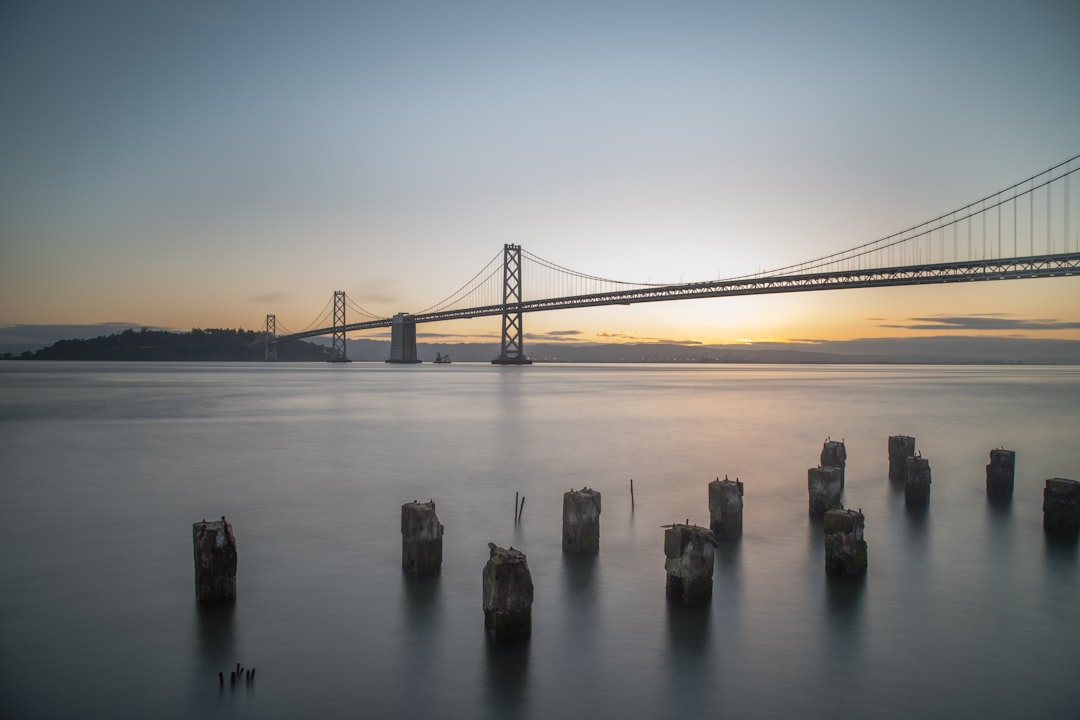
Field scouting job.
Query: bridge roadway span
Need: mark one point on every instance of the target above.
(1035, 266)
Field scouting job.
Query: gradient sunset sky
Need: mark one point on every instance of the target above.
(190, 163)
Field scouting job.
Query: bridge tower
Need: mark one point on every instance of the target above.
(403, 339)
(337, 348)
(512, 351)
(271, 338)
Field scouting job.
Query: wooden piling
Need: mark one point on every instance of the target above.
(1000, 474)
(508, 595)
(581, 521)
(215, 561)
(421, 538)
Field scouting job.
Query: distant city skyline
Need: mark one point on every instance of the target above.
(202, 164)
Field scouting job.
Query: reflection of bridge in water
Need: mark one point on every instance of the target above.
(1022, 231)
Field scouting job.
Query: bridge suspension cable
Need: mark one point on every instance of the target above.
(321, 320)
(484, 288)
(545, 279)
(361, 311)
(926, 243)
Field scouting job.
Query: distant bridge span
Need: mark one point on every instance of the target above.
(1020, 232)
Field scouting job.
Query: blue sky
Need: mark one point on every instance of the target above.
(197, 163)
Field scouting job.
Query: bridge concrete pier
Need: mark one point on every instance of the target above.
(508, 595)
(1000, 474)
(690, 551)
(421, 538)
(725, 508)
(215, 560)
(824, 485)
(834, 454)
(917, 484)
(581, 521)
(901, 447)
(845, 549)
(1061, 506)
(403, 339)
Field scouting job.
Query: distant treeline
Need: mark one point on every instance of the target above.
(208, 345)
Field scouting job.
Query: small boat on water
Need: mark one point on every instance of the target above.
(442, 359)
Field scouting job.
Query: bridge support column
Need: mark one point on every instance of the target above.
(403, 339)
(512, 350)
(337, 349)
(271, 338)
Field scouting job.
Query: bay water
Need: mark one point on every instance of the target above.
(968, 609)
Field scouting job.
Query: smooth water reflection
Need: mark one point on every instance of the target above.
(105, 468)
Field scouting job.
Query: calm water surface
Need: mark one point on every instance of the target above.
(968, 610)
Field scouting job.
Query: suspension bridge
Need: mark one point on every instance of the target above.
(1022, 231)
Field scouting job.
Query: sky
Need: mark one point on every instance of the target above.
(203, 163)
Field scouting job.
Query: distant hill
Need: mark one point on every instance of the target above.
(246, 345)
(146, 344)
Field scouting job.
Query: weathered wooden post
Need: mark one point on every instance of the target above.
(834, 454)
(689, 564)
(917, 484)
(725, 508)
(508, 595)
(824, 485)
(215, 560)
(901, 447)
(1000, 473)
(845, 549)
(421, 538)
(1061, 506)
(581, 521)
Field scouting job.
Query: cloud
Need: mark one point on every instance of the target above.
(648, 340)
(564, 336)
(983, 321)
(273, 297)
(376, 290)
(465, 337)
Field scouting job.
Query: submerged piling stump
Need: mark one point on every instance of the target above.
(1000, 474)
(215, 560)
(917, 484)
(581, 521)
(421, 538)
(834, 454)
(508, 595)
(689, 550)
(845, 549)
(1061, 506)
(824, 485)
(725, 508)
(901, 447)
